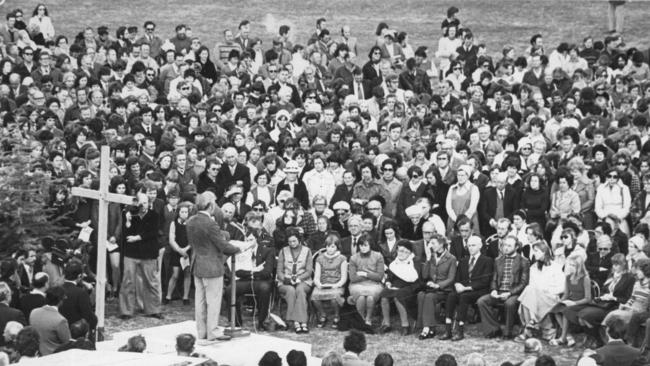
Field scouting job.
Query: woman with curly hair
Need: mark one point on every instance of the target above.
(294, 275)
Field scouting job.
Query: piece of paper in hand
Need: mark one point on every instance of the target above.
(84, 234)
(278, 320)
(244, 261)
(185, 262)
(110, 246)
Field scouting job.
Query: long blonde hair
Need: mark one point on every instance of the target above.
(581, 270)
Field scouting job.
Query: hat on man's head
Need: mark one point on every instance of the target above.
(341, 205)
(413, 210)
(292, 167)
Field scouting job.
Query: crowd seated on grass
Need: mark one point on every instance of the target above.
(449, 186)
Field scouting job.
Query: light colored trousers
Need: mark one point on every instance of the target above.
(146, 272)
(207, 306)
(296, 298)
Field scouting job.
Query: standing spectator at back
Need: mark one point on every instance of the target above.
(8, 313)
(52, 327)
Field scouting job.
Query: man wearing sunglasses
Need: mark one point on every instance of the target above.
(151, 38)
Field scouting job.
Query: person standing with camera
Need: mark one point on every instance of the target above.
(141, 260)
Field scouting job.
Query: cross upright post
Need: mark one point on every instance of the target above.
(104, 197)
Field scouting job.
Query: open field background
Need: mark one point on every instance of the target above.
(494, 22)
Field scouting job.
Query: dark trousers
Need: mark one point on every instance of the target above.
(634, 328)
(489, 317)
(459, 303)
(262, 296)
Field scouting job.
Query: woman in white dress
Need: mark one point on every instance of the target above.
(542, 293)
(447, 47)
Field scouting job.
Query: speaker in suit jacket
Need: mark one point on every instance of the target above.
(76, 305)
(479, 281)
(8, 314)
(488, 208)
(209, 250)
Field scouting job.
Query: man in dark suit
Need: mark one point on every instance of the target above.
(458, 244)
(473, 278)
(76, 305)
(26, 269)
(146, 125)
(209, 250)
(376, 206)
(468, 53)
(496, 203)
(616, 352)
(257, 280)
(51, 326)
(449, 102)
(8, 313)
(414, 79)
(350, 244)
(233, 173)
(36, 298)
(599, 264)
(421, 251)
(510, 277)
(147, 158)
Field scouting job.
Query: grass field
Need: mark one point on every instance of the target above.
(405, 350)
(494, 22)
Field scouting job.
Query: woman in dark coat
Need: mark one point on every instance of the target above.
(410, 192)
(208, 70)
(535, 200)
(343, 192)
(402, 282)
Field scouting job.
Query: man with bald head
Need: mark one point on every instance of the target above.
(210, 248)
(141, 260)
(233, 173)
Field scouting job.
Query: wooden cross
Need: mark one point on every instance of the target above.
(104, 197)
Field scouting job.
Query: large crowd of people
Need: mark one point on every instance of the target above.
(434, 186)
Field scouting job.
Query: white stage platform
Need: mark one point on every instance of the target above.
(243, 351)
(110, 358)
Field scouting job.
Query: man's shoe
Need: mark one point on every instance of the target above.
(165, 301)
(125, 317)
(385, 329)
(460, 334)
(158, 316)
(447, 336)
(186, 301)
(494, 334)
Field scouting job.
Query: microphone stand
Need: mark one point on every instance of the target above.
(234, 331)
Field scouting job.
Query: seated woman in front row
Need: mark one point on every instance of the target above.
(294, 274)
(402, 281)
(366, 272)
(438, 273)
(330, 276)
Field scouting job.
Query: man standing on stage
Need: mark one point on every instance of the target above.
(209, 251)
